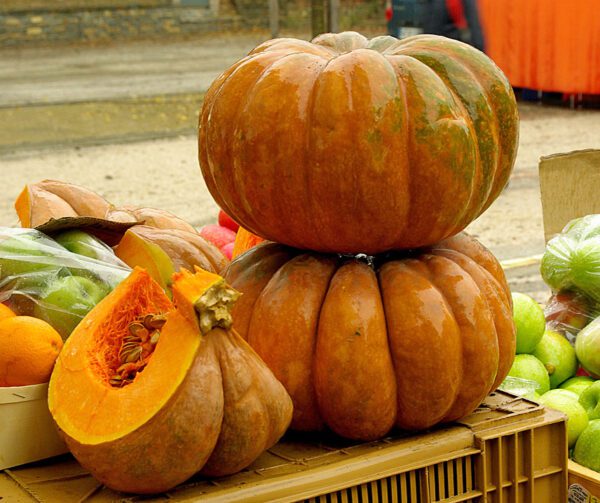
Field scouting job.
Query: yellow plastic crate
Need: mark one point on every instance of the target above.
(510, 450)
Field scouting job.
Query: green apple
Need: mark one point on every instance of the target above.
(557, 355)
(529, 322)
(82, 243)
(529, 367)
(24, 254)
(578, 384)
(567, 402)
(67, 300)
(587, 448)
(590, 399)
(587, 347)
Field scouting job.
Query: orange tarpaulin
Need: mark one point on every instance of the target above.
(547, 45)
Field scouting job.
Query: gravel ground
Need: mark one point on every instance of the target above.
(164, 173)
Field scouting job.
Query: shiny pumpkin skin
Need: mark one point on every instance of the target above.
(407, 341)
(349, 145)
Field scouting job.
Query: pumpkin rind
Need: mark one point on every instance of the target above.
(184, 249)
(420, 340)
(350, 145)
(52, 199)
(352, 356)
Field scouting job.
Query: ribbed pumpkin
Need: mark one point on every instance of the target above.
(345, 144)
(146, 395)
(366, 344)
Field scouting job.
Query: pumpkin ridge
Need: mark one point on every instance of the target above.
(466, 117)
(349, 367)
(358, 183)
(470, 211)
(499, 311)
(489, 275)
(483, 175)
(406, 72)
(473, 249)
(460, 404)
(247, 101)
(231, 209)
(278, 282)
(416, 269)
(272, 45)
(257, 257)
(310, 119)
(407, 140)
(209, 169)
(203, 157)
(277, 182)
(487, 175)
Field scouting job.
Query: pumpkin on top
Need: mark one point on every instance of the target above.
(350, 145)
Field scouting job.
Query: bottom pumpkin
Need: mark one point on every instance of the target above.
(147, 393)
(366, 344)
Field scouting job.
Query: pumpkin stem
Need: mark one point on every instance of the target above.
(214, 306)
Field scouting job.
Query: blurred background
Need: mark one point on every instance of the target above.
(106, 93)
(149, 61)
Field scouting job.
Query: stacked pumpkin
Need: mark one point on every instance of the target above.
(362, 161)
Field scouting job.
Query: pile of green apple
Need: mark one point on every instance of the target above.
(58, 280)
(560, 373)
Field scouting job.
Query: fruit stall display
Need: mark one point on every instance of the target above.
(353, 167)
(558, 346)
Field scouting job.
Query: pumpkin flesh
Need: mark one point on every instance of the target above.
(90, 363)
(203, 397)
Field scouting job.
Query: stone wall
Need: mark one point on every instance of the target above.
(295, 15)
(29, 23)
(62, 5)
(26, 23)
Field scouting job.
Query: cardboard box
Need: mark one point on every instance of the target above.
(27, 432)
(569, 186)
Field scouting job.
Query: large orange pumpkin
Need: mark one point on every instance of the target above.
(145, 395)
(363, 345)
(350, 145)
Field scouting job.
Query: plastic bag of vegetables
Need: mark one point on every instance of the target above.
(572, 258)
(42, 278)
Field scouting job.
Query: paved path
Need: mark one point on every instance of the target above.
(68, 75)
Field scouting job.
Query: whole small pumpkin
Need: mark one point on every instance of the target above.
(366, 344)
(146, 394)
(345, 144)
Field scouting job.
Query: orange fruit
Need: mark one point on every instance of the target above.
(28, 349)
(5, 312)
